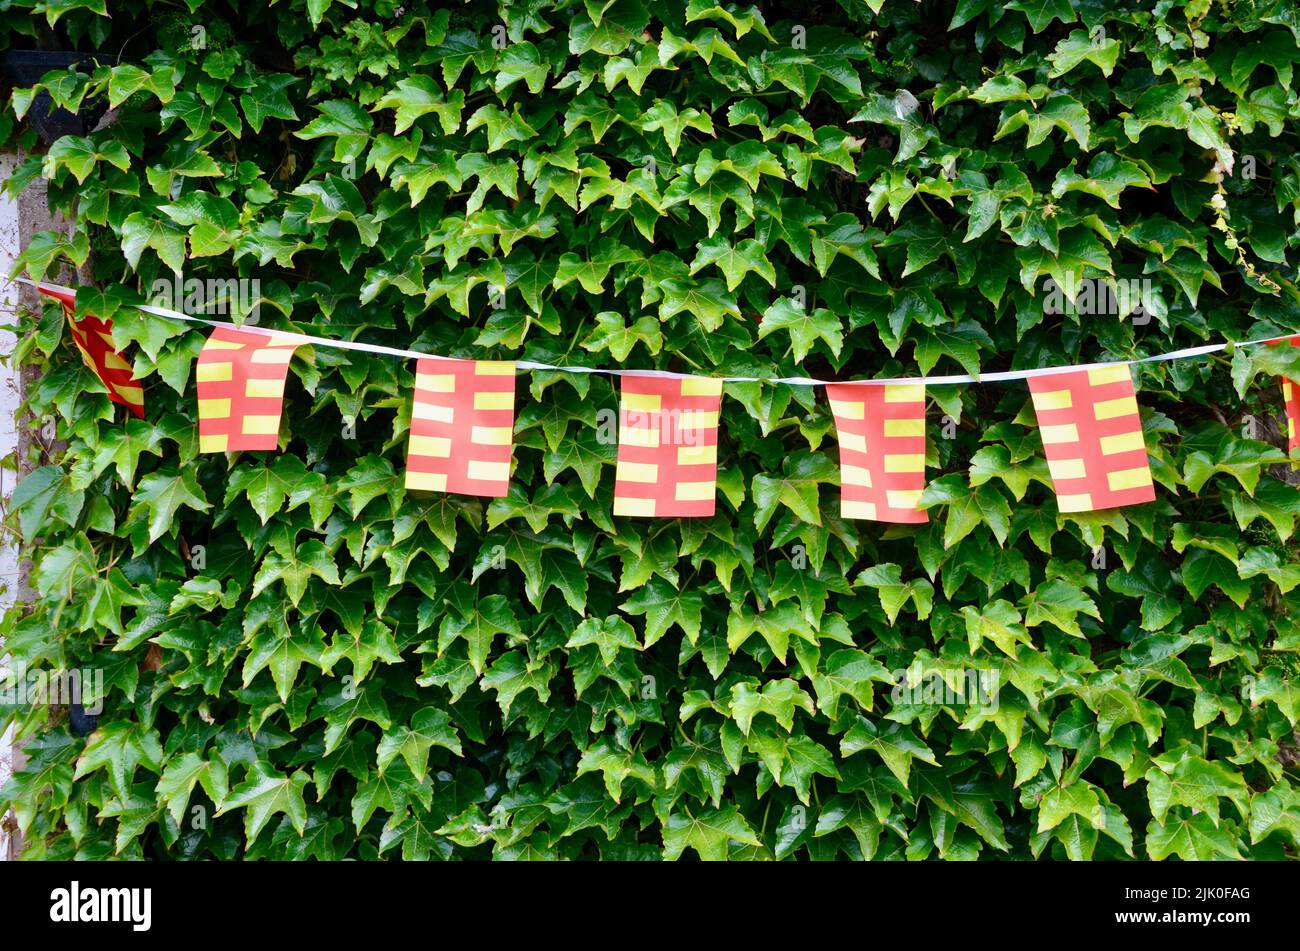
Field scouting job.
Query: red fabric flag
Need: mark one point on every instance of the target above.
(462, 427)
(1092, 434)
(881, 430)
(94, 338)
(240, 376)
(667, 446)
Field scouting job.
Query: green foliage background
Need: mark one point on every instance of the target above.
(695, 187)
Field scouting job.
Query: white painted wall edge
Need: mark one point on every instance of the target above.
(10, 396)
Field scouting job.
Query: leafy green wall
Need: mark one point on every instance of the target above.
(301, 660)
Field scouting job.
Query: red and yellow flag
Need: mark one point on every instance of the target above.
(881, 431)
(94, 338)
(240, 376)
(1092, 434)
(462, 427)
(1291, 394)
(667, 446)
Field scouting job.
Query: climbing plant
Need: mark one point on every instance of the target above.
(297, 658)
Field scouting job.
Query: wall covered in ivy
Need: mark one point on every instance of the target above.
(298, 658)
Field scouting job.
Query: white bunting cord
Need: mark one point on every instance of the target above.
(994, 377)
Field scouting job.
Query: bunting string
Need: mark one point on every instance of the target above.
(463, 412)
(991, 377)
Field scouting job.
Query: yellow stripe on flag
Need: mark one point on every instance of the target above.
(432, 412)
(696, 455)
(701, 386)
(490, 435)
(489, 471)
(1113, 409)
(214, 409)
(1074, 503)
(854, 442)
(279, 356)
(426, 481)
(1124, 442)
(1104, 375)
(905, 427)
(642, 402)
(631, 436)
(853, 509)
(644, 508)
(435, 382)
(1055, 399)
(904, 392)
(214, 372)
(270, 388)
(1129, 478)
(695, 491)
(848, 410)
(637, 472)
(1066, 433)
(855, 475)
(904, 462)
(494, 399)
(903, 498)
(437, 447)
(1067, 468)
(255, 425)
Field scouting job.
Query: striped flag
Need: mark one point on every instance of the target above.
(667, 446)
(94, 338)
(462, 427)
(240, 375)
(1092, 434)
(881, 431)
(1291, 394)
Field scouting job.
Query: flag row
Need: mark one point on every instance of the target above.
(463, 414)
